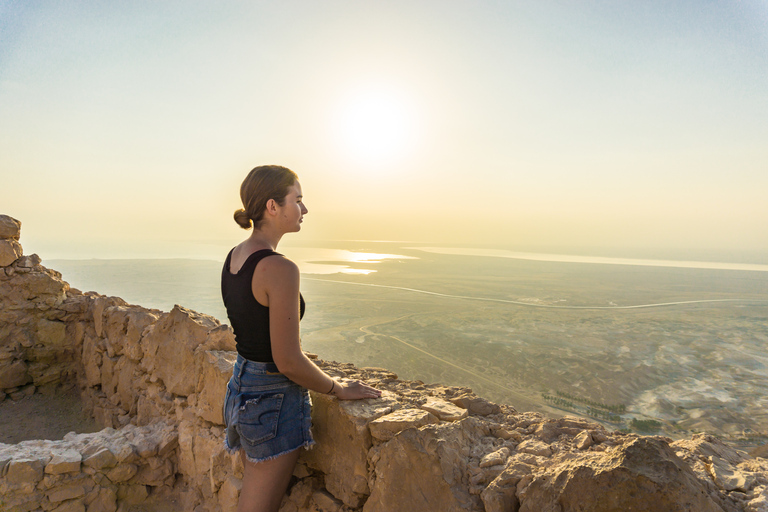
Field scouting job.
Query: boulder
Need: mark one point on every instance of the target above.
(66, 461)
(169, 348)
(214, 371)
(14, 375)
(10, 251)
(444, 410)
(10, 228)
(387, 426)
(425, 469)
(343, 440)
(123, 327)
(642, 475)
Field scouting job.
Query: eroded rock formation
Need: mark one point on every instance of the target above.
(155, 381)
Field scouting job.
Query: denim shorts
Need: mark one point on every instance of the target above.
(265, 413)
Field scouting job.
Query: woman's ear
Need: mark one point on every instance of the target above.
(271, 206)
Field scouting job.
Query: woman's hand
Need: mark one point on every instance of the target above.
(354, 390)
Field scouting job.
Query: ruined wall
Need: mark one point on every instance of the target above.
(156, 381)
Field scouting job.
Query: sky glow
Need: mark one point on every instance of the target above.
(126, 128)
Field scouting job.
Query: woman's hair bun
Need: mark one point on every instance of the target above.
(242, 219)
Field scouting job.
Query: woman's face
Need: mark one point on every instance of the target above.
(293, 210)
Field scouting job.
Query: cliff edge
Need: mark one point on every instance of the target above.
(155, 381)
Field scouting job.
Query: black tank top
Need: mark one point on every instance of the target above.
(249, 319)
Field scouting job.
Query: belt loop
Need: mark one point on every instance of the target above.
(242, 367)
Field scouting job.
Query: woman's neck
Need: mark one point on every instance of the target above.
(263, 239)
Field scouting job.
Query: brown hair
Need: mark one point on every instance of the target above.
(262, 184)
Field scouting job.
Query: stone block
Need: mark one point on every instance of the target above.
(501, 494)
(14, 375)
(65, 492)
(425, 469)
(534, 447)
(229, 494)
(343, 440)
(643, 475)
(171, 346)
(105, 501)
(24, 472)
(324, 502)
(214, 371)
(29, 502)
(122, 473)
(101, 458)
(495, 458)
(132, 494)
(583, 440)
(10, 228)
(154, 473)
(67, 461)
(446, 411)
(387, 426)
(91, 358)
(126, 372)
(51, 333)
(476, 405)
(10, 251)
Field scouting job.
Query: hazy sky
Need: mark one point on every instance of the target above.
(127, 127)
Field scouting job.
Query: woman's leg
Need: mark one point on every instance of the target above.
(264, 483)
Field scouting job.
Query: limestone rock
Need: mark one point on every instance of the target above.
(425, 469)
(583, 440)
(123, 326)
(387, 426)
(67, 461)
(476, 404)
(534, 447)
(721, 462)
(23, 471)
(10, 228)
(214, 371)
(51, 333)
(169, 348)
(10, 251)
(500, 495)
(105, 500)
(229, 493)
(644, 475)
(340, 428)
(132, 494)
(446, 411)
(100, 458)
(14, 375)
(550, 430)
(500, 456)
(65, 492)
(122, 473)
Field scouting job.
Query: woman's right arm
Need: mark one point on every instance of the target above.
(279, 278)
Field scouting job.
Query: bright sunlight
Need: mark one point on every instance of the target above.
(375, 126)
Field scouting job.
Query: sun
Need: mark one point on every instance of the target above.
(375, 126)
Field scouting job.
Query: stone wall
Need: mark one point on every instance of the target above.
(155, 381)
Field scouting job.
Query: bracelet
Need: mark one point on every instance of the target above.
(332, 386)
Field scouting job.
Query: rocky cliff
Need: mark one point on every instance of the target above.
(155, 381)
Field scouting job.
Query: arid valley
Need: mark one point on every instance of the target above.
(652, 349)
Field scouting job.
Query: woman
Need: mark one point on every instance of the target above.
(266, 409)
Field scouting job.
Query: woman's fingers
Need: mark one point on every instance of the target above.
(356, 390)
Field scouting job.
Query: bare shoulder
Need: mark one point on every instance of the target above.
(278, 269)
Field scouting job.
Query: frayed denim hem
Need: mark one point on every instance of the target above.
(306, 444)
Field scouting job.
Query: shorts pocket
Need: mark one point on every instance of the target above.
(258, 418)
